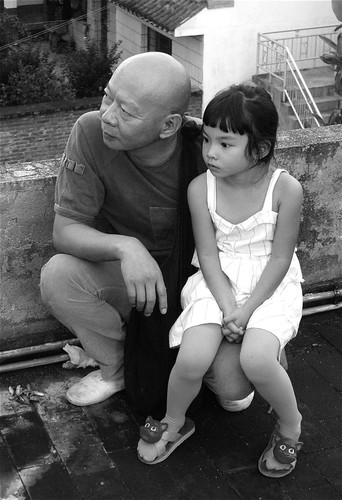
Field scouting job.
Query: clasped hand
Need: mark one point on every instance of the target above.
(234, 324)
(143, 278)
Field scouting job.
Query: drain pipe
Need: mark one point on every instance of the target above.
(32, 351)
(315, 297)
(5, 356)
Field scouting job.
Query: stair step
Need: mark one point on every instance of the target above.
(324, 103)
(328, 102)
(320, 81)
(293, 122)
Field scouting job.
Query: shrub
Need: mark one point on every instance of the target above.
(11, 30)
(28, 77)
(89, 70)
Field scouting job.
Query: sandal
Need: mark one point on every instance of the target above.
(284, 450)
(168, 441)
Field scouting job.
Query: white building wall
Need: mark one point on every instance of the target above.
(133, 34)
(230, 35)
(189, 51)
(129, 30)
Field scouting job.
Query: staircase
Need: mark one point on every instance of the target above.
(290, 68)
(321, 84)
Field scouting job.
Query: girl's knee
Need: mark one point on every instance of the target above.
(189, 369)
(255, 365)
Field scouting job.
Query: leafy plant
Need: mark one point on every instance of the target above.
(11, 30)
(28, 77)
(89, 70)
(335, 58)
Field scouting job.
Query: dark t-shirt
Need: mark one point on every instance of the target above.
(135, 200)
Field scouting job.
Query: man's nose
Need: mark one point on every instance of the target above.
(110, 115)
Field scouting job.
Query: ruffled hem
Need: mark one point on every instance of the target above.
(199, 312)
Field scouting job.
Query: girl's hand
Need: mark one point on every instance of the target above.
(240, 317)
(232, 332)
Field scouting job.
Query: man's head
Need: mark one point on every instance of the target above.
(144, 101)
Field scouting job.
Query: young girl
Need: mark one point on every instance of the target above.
(245, 219)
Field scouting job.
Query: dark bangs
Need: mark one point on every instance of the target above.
(246, 109)
(226, 111)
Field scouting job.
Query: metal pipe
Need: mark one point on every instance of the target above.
(29, 363)
(35, 349)
(314, 297)
(318, 309)
(55, 346)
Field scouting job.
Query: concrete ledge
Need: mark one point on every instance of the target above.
(313, 156)
(26, 205)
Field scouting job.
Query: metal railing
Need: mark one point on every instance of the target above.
(283, 54)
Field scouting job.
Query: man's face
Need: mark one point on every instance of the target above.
(130, 119)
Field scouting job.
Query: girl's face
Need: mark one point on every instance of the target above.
(225, 152)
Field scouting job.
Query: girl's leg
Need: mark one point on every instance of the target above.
(197, 351)
(259, 360)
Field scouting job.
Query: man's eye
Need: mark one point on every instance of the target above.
(125, 112)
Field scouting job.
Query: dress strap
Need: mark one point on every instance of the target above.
(211, 191)
(269, 195)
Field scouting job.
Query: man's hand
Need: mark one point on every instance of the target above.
(143, 278)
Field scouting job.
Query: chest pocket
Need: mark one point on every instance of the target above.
(163, 222)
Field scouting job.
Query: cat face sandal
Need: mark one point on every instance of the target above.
(161, 443)
(280, 456)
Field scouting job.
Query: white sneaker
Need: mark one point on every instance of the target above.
(93, 389)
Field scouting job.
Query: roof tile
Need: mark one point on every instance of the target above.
(164, 14)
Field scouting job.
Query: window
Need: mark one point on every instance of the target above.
(158, 42)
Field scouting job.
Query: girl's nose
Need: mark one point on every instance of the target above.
(210, 155)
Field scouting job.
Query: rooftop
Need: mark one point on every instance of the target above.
(53, 450)
(163, 14)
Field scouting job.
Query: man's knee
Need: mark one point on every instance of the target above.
(227, 380)
(235, 405)
(55, 278)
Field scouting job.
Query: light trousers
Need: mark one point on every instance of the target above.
(91, 300)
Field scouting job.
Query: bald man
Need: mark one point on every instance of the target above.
(124, 165)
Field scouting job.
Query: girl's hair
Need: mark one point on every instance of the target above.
(246, 109)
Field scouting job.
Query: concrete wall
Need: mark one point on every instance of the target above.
(26, 204)
(40, 131)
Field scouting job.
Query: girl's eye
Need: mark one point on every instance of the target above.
(205, 139)
(224, 145)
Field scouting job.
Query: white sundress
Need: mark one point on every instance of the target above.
(244, 250)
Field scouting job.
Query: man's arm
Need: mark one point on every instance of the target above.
(141, 273)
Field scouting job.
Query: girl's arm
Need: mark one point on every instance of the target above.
(206, 246)
(290, 195)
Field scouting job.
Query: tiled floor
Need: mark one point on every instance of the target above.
(52, 450)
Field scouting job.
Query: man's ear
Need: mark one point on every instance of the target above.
(264, 149)
(171, 125)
